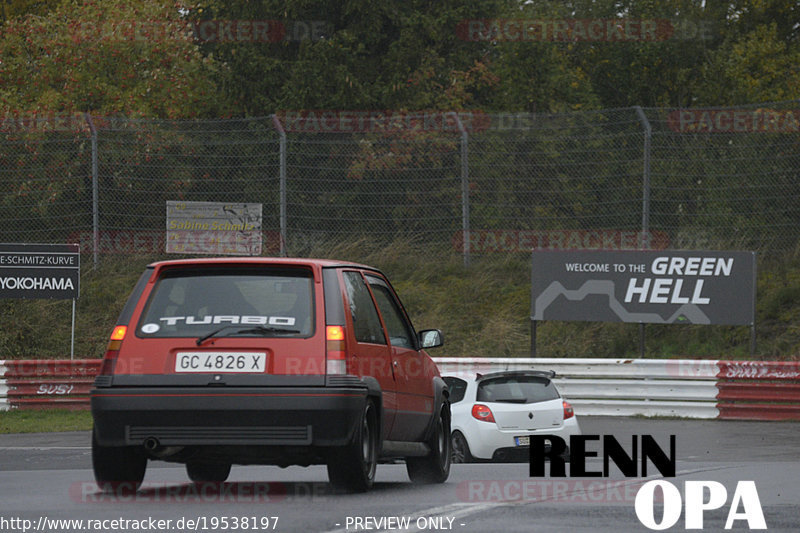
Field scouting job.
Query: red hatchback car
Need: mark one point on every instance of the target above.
(224, 361)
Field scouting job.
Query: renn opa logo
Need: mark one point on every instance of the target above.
(698, 496)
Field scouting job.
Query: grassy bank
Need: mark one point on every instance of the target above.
(483, 310)
(45, 421)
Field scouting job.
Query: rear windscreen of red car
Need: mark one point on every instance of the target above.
(517, 389)
(197, 301)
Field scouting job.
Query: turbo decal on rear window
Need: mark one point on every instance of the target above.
(256, 320)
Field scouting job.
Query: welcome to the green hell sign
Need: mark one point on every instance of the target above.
(661, 287)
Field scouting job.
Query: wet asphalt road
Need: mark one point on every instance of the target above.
(46, 479)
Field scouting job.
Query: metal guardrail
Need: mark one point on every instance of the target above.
(744, 390)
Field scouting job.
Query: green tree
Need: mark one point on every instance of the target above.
(704, 53)
(653, 57)
(135, 57)
(11, 9)
(364, 55)
(758, 66)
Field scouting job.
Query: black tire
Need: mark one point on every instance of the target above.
(435, 467)
(352, 467)
(118, 469)
(460, 448)
(208, 472)
(565, 455)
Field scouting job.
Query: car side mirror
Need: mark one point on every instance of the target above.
(430, 338)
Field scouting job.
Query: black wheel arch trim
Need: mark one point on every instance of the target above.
(441, 394)
(375, 393)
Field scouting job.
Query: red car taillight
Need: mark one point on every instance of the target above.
(482, 413)
(568, 412)
(335, 350)
(112, 350)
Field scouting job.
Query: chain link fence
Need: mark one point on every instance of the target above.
(720, 178)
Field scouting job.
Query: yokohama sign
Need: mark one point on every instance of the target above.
(39, 271)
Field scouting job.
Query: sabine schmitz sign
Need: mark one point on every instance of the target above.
(658, 287)
(213, 228)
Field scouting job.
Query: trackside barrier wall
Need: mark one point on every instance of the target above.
(743, 390)
(46, 384)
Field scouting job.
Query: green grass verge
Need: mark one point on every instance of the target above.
(44, 421)
(483, 309)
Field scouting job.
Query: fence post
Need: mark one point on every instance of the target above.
(464, 187)
(648, 133)
(95, 193)
(282, 177)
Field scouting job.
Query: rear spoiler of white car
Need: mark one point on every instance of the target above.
(548, 374)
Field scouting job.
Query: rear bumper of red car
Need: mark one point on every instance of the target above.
(226, 416)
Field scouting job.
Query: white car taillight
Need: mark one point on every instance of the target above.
(568, 411)
(482, 412)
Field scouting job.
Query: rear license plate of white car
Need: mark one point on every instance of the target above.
(522, 441)
(223, 362)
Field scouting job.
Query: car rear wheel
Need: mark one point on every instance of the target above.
(461, 453)
(435, 467)
(208, 472)
(352, 467)
(118, 469)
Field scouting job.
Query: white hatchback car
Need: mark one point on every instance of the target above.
(494, 415)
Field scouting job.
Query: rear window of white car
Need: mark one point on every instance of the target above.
(516, 389)
(255, 302)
